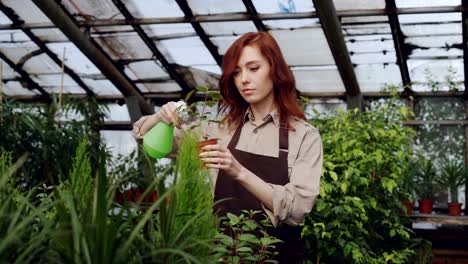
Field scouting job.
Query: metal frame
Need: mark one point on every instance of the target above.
(252, 12)
(334, 34)
(16, 20)
(169, 68)
(200, 31)
(25, 76)
(231, 17)
(399, 43)
(67, 25)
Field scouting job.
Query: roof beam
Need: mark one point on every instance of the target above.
(67, 25)
(252, 12)
(10, 13)
(334, 34)
(200, 31)
(25, 76)
(465, 45)
(237, 17)
(169, 68)
(399, 43)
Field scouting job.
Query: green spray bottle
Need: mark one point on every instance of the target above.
(158, 141)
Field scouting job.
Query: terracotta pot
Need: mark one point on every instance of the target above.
(211, 141)
(454, 209)
(425, 206)
(409, 207)
(133, 195)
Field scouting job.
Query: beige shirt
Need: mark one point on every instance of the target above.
(292, 201)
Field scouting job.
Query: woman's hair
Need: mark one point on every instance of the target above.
(284, 85)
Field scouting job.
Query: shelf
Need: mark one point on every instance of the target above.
(440, 219)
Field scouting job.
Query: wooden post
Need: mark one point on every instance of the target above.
(465, 152)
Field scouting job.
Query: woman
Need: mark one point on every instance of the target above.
(269, 157)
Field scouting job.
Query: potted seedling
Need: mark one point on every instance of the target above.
(408, 187)
(425, 179)
(452, 176)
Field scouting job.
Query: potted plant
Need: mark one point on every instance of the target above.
(425, 177)
(452, 175)
(408, 188)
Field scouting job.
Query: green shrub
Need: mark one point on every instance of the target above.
(358, 216)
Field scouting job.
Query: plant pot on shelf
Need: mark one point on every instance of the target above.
(133, 195)
(425, 206)
(409, 206)
(454, 209)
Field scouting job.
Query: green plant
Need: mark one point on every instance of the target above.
(453, 174)
(425, 177)
(357, 218)
(248, 243)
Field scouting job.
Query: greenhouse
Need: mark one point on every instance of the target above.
(360, 154)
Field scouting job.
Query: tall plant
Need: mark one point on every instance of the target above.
(453, 174)
(357, 218)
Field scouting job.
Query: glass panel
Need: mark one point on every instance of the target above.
(86, 10)
(41, 64)
(369, 58)
(102, 87)
(119, 142)
(209, 68)
(318, 79)
(15, 88)
(378, 45)
(145, 70)
(50, 35)
(228, 28)
(432, 29)
(291, 23)
(373, 77)
(324, 106)
(283, 6)
(426, 3)
(359, 5)
(442, 53)
(311, 49)
(436, 75)
(166, 87)
(125, 46)
(4, 20)
(169, 30)
(66, 89)
(369, 29)
(117, 113)
(27, 11)
(364, 19)
(153, 9)
(109, 30)
(435, 41)
(429, 18)
(447, 108)
(209, 7)
(7, 71)
(53, 80)
(186, 51)
(223, 43)
(74, 58)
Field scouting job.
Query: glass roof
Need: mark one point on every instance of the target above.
(160, 49)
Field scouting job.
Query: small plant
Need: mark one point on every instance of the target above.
(452, 175)
(243, 246)
(425, 177)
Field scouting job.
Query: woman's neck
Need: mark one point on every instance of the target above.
(262, 109)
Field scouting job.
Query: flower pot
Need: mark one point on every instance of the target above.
(133, 195)
(409, 207)
(211, 141)
(425, 206)
(454, 209)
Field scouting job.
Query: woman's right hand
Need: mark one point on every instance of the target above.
(169, 114)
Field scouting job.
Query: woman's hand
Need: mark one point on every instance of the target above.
(217, 157)
(169, 114)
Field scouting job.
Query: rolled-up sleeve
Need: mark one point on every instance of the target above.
(294, 200)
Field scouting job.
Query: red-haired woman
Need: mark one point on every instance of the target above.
(268, 157)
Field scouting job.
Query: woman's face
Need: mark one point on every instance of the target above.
(252, 77)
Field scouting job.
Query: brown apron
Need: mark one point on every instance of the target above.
(271, 170)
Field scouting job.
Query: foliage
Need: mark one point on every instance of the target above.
(245, 245)
(357, 218)
(453, 174)
(32, 129)
(425, 175)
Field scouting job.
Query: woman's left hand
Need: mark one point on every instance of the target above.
(217, 157)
